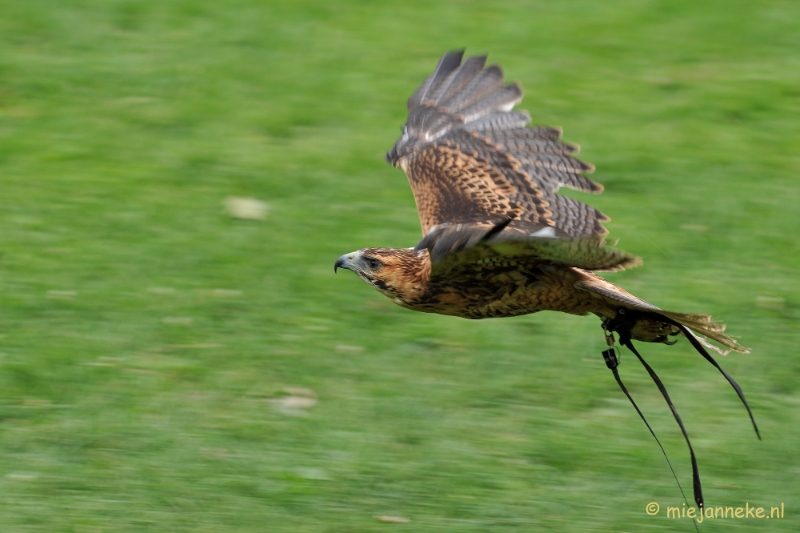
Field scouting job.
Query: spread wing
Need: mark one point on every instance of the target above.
(470, 159)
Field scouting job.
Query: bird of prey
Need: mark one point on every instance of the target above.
(498, 239)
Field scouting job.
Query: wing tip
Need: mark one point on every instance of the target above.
(450, 59)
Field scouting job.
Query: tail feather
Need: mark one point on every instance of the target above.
(698, 323)
(703, 325)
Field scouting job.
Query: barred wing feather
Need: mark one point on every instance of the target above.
(470, 158)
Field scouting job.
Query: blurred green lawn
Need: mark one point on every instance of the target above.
(151, 346)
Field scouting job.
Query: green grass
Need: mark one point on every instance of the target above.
(137, 396)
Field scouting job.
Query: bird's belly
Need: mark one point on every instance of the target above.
(506, 298)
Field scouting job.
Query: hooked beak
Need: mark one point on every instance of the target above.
(346, 261)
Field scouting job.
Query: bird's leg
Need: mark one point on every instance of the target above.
(623, 323)
(606, 325)
(610, 356)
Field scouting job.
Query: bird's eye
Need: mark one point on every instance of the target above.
(373, 263)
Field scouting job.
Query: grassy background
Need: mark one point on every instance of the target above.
(151, 346)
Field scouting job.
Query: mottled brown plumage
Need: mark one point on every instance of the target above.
(498, 239)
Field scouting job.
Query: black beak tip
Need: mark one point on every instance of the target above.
(339, 263)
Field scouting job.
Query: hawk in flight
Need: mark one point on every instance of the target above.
(498, 239)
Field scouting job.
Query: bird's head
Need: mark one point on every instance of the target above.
(399, 274)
